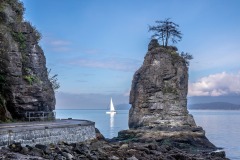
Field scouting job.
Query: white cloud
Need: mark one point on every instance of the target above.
(59, 43)
(216, 85)
(121, 64)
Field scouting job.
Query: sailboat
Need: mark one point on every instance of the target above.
(112, 109)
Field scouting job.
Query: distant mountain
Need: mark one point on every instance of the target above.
(233, 98)
(210, 106)
(123, 107)
(215, 106)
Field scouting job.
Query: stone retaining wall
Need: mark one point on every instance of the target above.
(70, 133)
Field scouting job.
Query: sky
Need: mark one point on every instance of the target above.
(96, 46)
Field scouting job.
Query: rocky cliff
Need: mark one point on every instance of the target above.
(159, 103)
(159, 91)
(24, 83)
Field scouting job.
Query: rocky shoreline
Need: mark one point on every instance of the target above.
(128, 148)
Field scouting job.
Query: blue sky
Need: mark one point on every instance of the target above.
(96, 46)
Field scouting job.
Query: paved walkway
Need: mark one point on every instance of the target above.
(14, 127)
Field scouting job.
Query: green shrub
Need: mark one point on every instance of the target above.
(21, 39)
(54, 80)
(37, 33)
(187, 57)
(31, 79)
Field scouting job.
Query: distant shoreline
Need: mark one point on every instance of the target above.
(128, 109)
(216, 109)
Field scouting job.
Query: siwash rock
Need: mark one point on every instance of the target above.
(159, 91)
(159, 103)
(24, 83)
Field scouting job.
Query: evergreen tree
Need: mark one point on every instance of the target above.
(165, 30)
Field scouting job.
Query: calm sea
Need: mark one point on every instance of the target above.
(222, 127)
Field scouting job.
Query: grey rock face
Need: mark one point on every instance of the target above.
(25, 85)
(159, 91)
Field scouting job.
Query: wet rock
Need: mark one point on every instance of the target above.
(67, 155)
(164, 149)
(132, 158)
(220, 154)
(11, 156)
(15, 147)
(59, 156)
(81, 148)
(152, 146)
(99, 136)
(124, 146)
(113, 158)
(42, 147)
(29, 147)
(96, 145)
(180, 156)
(24, 150)
(67, 150)
(36, 152)
(58, 150)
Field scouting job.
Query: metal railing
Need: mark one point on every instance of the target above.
(40, 115)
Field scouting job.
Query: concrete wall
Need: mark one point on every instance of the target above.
(70, 133)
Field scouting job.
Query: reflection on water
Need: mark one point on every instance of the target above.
(112, 130)
(112, 120)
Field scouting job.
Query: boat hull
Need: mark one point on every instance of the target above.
(112, 112)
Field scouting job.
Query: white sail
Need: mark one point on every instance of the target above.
(112, 109)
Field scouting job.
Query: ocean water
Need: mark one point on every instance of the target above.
(222, 127)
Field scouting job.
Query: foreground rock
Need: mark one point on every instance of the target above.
(121, 148)
(24, 83)
(101, 149)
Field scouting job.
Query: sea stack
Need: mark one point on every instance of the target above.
(159, 102)
(159, 91)
(24, 83)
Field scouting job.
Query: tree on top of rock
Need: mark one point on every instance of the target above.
(187, 57)
(165, 30)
